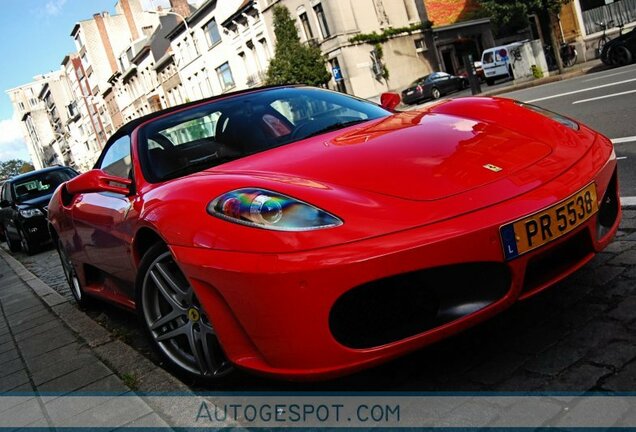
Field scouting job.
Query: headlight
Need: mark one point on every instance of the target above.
(27, 213)
(554, 116)
(261, 208)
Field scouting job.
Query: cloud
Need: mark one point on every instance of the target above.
(12, 144)
(54, 7)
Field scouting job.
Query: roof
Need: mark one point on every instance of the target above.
(246, 4)
(36, 172)
(194, 16)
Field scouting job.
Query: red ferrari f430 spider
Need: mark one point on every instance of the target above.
(301, 233)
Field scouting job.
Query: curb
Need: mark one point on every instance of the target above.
(116, 355)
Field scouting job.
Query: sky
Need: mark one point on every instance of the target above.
(35, 37)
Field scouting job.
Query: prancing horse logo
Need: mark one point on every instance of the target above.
(493, 168)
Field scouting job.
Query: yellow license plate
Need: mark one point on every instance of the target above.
(534, 231)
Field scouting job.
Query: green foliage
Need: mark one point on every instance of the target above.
(379, 53)
(378, 38)
(511, 16)
(293, 62)
(14, 167)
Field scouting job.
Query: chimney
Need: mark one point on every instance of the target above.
(103, 34)
(181, 7)
(130, 19)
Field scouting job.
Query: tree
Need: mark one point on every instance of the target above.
(511, 16)
(14, 167)
(293, 62)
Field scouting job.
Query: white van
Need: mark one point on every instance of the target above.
(496, 62)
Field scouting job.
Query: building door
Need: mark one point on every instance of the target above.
(447, 58)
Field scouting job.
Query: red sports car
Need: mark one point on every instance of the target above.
(304, 234)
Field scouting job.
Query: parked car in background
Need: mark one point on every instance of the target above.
(621, 50)
(496, 62)
(433, 86)
(303, 234)
(24, 201)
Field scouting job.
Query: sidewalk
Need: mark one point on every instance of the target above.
(41, 359)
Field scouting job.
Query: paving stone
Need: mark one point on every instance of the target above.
(622, 381)
(470, 414)
(598, 333)
(109, 384)
(500, 367)
(597, 413)
(62, 367)
(556, 359)
(24, 414)
(528, 412)
(626, 310)
(625, 258)
(44, 343)
(58, 354)
(628, 224)
(522, 382)
(8, 356)
(597, 276)
(49, 327)
(620, 246)
(615, 354)
(13, 380)
(78, 378)
(10, 367)
(580, 378)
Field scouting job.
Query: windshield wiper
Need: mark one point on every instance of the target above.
(335, 126)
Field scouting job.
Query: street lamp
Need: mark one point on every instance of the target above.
(166, 12)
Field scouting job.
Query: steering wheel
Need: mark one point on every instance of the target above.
(162, 141)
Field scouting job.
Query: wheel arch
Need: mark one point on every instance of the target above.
(144, 239)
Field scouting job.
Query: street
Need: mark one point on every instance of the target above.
(578, 336)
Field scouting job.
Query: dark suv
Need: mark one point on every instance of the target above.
(24, 201)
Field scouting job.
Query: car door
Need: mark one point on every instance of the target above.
(103, 224)
(8, 211)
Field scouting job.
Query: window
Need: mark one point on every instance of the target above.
(6, 193)
(225, 76)
(212, 33)
(322, 20)
(39, 185)
(117, 160)
(306, 27)
(21, 106)
(420, 45)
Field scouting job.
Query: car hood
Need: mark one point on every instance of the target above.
(40, 202)
(427, 155)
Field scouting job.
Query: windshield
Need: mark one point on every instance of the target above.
(39, 185)
(228, 129)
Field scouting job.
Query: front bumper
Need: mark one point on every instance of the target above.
(274, 312)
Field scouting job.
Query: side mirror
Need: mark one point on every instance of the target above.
(98, 181)
(390, 100)
(5, 204)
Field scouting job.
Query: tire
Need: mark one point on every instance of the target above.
(26, 245)
(490, 81)
(176, 323)
(571, 60)
(74, 284)
(620, 55)
(13, 245)
(435, 93)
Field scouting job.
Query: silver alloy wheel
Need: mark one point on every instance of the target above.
(435, 93)
(177, 322)
(69, 272)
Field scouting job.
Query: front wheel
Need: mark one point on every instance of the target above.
(620, 55)
(71, 276)
(435, 93)
(175, 320)
(26, 245)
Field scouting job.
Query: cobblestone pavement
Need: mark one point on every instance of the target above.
(578, 336)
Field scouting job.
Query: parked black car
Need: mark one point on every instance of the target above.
(24, 201)
(433, 86)
(621, 50)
